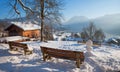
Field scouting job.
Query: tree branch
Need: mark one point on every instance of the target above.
(25, 7)
(14, 7)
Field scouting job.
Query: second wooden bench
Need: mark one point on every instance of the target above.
(64, 54)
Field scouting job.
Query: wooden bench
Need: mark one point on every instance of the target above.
(64, 54)
(15, 45)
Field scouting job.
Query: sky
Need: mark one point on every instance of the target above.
(88, 8)
(91, 8)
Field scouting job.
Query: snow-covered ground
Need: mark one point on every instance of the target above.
(106, 58)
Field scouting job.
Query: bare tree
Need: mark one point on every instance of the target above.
(43, 11)
(42, 18)
(99, 35)
(91, 32)
(48, 33)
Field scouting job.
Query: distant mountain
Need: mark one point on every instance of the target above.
(109, 23)
(77, 19)
(76, 24)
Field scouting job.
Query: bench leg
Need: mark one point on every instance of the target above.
(25, 52)
(48, 57)
(16, 49)
(31, 52)
(81, 60)
(11, 48)
(78, 63)
(44, 56)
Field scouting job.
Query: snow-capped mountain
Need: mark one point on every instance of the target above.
(109, 23)
(75, 24)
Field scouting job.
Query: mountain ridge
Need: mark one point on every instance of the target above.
(107, 23)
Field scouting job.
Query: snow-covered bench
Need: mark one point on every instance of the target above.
(15, 45)
(64, 54)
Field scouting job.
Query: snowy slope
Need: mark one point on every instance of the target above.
(105, 58)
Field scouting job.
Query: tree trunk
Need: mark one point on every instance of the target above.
(42, 18)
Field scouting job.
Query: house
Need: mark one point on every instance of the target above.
(23, 29)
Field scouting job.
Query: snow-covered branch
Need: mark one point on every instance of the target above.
(15, 8)
(24, 7)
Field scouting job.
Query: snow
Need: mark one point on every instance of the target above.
(26, 26)
(113, 39)
(12, 38)
(105, 58)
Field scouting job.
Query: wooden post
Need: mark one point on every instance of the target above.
(11, 48)
(44, 57)
(24, 51)
(78, 60)
(43, 53)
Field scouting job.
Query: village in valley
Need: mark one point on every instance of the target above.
(37, 38)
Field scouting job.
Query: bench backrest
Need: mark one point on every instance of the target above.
(16, 44)
(66, 54)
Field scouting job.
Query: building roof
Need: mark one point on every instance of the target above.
(25, 26)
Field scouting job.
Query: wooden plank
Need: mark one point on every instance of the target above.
(59, 50)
